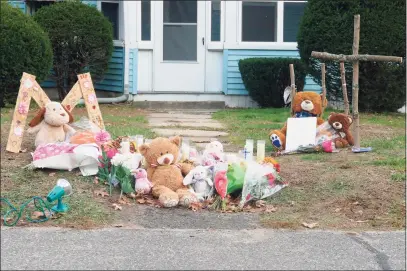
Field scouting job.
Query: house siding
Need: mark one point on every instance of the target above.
(232, 79)
(113, 78)
(133, 66)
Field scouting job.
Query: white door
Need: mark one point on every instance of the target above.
(179, 46)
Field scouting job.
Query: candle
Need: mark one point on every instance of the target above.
(261, 150)
(249, 149)
(125, 146)
(140, 140)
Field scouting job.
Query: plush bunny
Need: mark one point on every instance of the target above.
(199, 181)
(51, 124)
(143, 185)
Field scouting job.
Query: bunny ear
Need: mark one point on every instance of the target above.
(69, 113)
(188, 179)
(38, 118)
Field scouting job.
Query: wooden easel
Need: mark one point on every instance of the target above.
(355, 58)
(29, 88)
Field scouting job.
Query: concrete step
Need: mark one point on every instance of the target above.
(181, 116)
(189, 133)
(160, 105)
(197, 124)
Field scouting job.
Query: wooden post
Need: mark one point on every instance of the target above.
(323, 87)
(292, 77)
(355, 81)
(344, 89)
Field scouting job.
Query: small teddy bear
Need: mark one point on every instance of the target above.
(341, 123)
(143, 185)
(198, 180)
(51, 124)
(213, 154)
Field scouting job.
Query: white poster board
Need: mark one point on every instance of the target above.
(300, 131)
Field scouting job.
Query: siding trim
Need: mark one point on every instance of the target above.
(134, 70)
(225, 72)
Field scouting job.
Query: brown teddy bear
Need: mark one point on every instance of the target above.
(341, 123)
(305, 104)
(166, 176)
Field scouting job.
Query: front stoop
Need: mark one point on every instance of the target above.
(160, 105)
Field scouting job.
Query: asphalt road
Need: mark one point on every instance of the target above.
(181, 249)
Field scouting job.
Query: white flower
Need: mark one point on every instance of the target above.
(128, 160)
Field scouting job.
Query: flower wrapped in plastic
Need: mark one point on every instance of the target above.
(261, 181)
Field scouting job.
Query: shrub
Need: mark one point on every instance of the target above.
(327, 25)
(82, 40)
(24, 47)
(266, 78)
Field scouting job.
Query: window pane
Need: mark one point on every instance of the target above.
(180, 43)
(215, 21)
(145, 20)
(292, 17)
(180, 11)
(259, 21)
(111, 11)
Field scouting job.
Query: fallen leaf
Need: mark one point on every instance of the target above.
(309, 225)
(195, 206)
(356, 203)
(337, 210)
(362, 221)
(260, 203)
(23, 150)
(101, 193)
(141, 201)
(37, 215)
(132, 195)
(117, 206)
(270, 209)
(52, 174)
(118, 225)
(292, 203)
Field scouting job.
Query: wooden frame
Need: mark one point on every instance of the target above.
(29, 88)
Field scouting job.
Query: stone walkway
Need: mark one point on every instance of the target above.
(197, 125)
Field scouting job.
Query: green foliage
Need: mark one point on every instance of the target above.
(24, 47)
(327, 26)
(123, 175)
(266, 78)
(82, 40)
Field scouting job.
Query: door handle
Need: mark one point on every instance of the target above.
(203, 41)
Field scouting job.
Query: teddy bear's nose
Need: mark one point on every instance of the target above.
(63, 114)
(307, 102)
(166, 160)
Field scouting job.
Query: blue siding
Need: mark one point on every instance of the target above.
(114, 77)
(92, 3)
(18, 4)
(133, 70)
(232, 80)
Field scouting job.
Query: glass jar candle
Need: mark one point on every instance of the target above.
(125, 145)
(261, 150)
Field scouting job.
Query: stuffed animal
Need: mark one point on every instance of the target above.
(200, 182)
(166, 176)
(212, 154)
(305, 104)
(341, 123)
(143, 185)
(51, 124)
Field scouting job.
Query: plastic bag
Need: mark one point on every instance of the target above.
(235, 174)
(83, 137)
(84, 124)
(261, 181)
(325, 132)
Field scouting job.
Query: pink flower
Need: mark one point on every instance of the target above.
(327, 146)
(22, 109)
(102, 137)
(112, 152)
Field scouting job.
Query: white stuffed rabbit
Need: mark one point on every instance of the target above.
(199, 182)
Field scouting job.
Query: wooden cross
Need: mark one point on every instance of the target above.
(355, 58)
(29, 88)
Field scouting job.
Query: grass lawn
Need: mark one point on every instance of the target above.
(19, 185)
(342, 190)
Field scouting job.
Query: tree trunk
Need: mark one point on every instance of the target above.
(355, 81)
(355, 57)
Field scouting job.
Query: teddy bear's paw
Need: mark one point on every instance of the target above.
(168, 202)
(187, 200)
(276, 141)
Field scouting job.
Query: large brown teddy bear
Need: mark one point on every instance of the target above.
(305, 104)
(341, 123)
(167, 176)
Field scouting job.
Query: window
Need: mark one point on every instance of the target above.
(215, 20)
(180, 31)
(33, 6)
(111, 11)
(259, 21)
(292, 16)
(145, 20)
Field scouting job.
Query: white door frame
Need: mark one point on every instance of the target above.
(179, 76)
